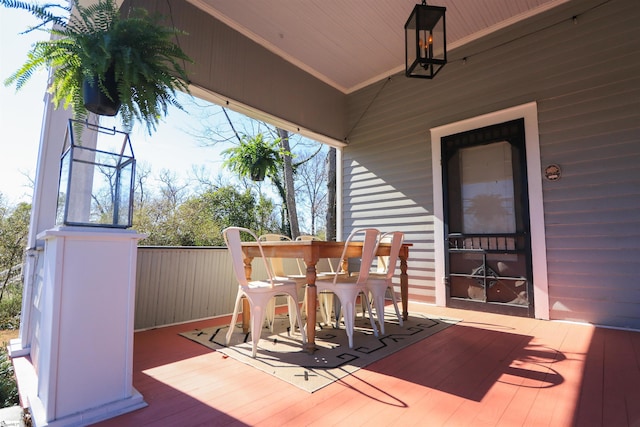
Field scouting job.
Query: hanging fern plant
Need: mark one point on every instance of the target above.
(130, 57)
(255, 157)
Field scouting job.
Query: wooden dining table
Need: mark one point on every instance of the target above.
(311, 251)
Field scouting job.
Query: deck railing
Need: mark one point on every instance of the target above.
(11, 276)
(180, 284)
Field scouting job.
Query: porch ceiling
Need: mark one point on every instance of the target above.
(350, 44)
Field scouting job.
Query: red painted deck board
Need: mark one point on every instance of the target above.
(489, 370)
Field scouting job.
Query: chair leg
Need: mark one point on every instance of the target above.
(378, 305)
(260, 303)
(347, 300)
(349, 319)
(234, 317)
(257, 317)
(395, 305)
(337, 309)
(325, 300)
(373, 322)
(362, 307)
(270, 313)
(293, 313)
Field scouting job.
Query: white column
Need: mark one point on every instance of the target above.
(81, 365)
(43, 212)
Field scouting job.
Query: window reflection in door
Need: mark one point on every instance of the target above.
(487, 189)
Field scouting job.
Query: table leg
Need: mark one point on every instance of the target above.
(312, 298)
(404, 287)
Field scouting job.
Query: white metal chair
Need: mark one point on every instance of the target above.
(257, 292)
(379, 282)
(277, 267)
(346, 290)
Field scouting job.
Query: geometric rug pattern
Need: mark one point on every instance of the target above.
(281, 353)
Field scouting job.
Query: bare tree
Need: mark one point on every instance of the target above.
(331, 195)
(172, 190)
(290, 193)
(201, 179)
(312, 190)
(222, 126)
(143, 172)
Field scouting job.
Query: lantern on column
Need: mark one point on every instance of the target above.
(96, 177)
(425, 41)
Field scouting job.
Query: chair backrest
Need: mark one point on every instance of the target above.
(234, 245)
(396, 238)
(277, 265)
(370, 242)
(305, 238)
(270, 237)
(383, 260)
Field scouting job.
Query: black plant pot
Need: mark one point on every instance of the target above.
(96, 101)
(257, 174)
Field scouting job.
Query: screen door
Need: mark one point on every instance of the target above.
(488, 250)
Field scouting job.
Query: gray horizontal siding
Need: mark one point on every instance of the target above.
(591, 128)
(585, 78)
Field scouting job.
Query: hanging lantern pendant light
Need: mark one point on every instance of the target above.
(425, 41)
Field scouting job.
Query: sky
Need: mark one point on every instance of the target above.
(21, 119)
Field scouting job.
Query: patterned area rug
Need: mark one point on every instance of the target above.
(281, 353)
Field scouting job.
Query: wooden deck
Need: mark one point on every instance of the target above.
(489, 370)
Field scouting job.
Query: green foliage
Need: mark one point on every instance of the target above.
(10, 307)
(227, 207)
(8, 386)
(140, 50)
(199, 221)
(14, 227)
(14, 230)
(254, 158)
(156, 220)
